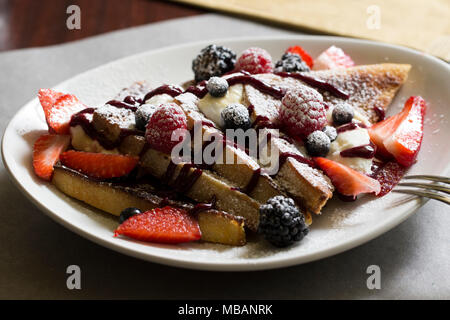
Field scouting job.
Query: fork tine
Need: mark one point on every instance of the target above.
(429, 177)
(428, 186)
(426, 194)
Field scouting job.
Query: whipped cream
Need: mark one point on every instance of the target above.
(350, 139)
(211, 106)
(159, 99)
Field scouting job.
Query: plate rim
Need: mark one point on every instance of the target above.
(348, 244)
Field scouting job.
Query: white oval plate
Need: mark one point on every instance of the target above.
(342, 225)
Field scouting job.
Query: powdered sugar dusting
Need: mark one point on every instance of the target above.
(137, 90)
(122, 117)
(264, 106)
(314, 176)
(369, 87)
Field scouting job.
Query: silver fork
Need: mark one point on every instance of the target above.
(436, 189)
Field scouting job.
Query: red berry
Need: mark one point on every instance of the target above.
(302, 111)
(255, 60)
(332, 58)
(401, 135)
(168, 118)
(347, 181)
(47, 98)
(162, 225)
(58, 109)
(303, 54)
(46, 153)
(99, 165)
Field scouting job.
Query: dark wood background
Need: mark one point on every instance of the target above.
(32, 23)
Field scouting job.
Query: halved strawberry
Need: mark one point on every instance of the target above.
(58, 109)
(163, 225)
(46, 153)
(303, 54)
(347, 181)
(401, 135)
(332, 58)
(99, 165)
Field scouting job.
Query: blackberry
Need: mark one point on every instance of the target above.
(217, 87)
(143, 115)
(291, 62)
(342, 113)
(318, 144)
(330, 132)
(128, 213)
(213, 61)
(281, 222)
(236, 116)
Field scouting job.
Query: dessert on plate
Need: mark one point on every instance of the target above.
(248, 146)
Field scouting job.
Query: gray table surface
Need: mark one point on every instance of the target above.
(35, 251)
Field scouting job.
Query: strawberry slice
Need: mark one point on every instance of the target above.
(401, 135)
(47, 98)
(46, 153)
(58, 109)
(347, 181)
(303, 54)
(332, 58)
(99, 165)
(162, 225)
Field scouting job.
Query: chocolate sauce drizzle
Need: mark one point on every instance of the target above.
(245, 78)
(172, 91)
(81, 120)
(122, 104)
(380, 113)
(132, 100)
(200, 89)
(350, 126)
(200, 207)
(317, 83)
(260, 121)
(285, 155)
(366, 151)
(226, 142)
(252, 183)
(273, 91)
(184, 180)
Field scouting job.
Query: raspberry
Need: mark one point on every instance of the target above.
(168, 118)
(255, 60)
(303, 111)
